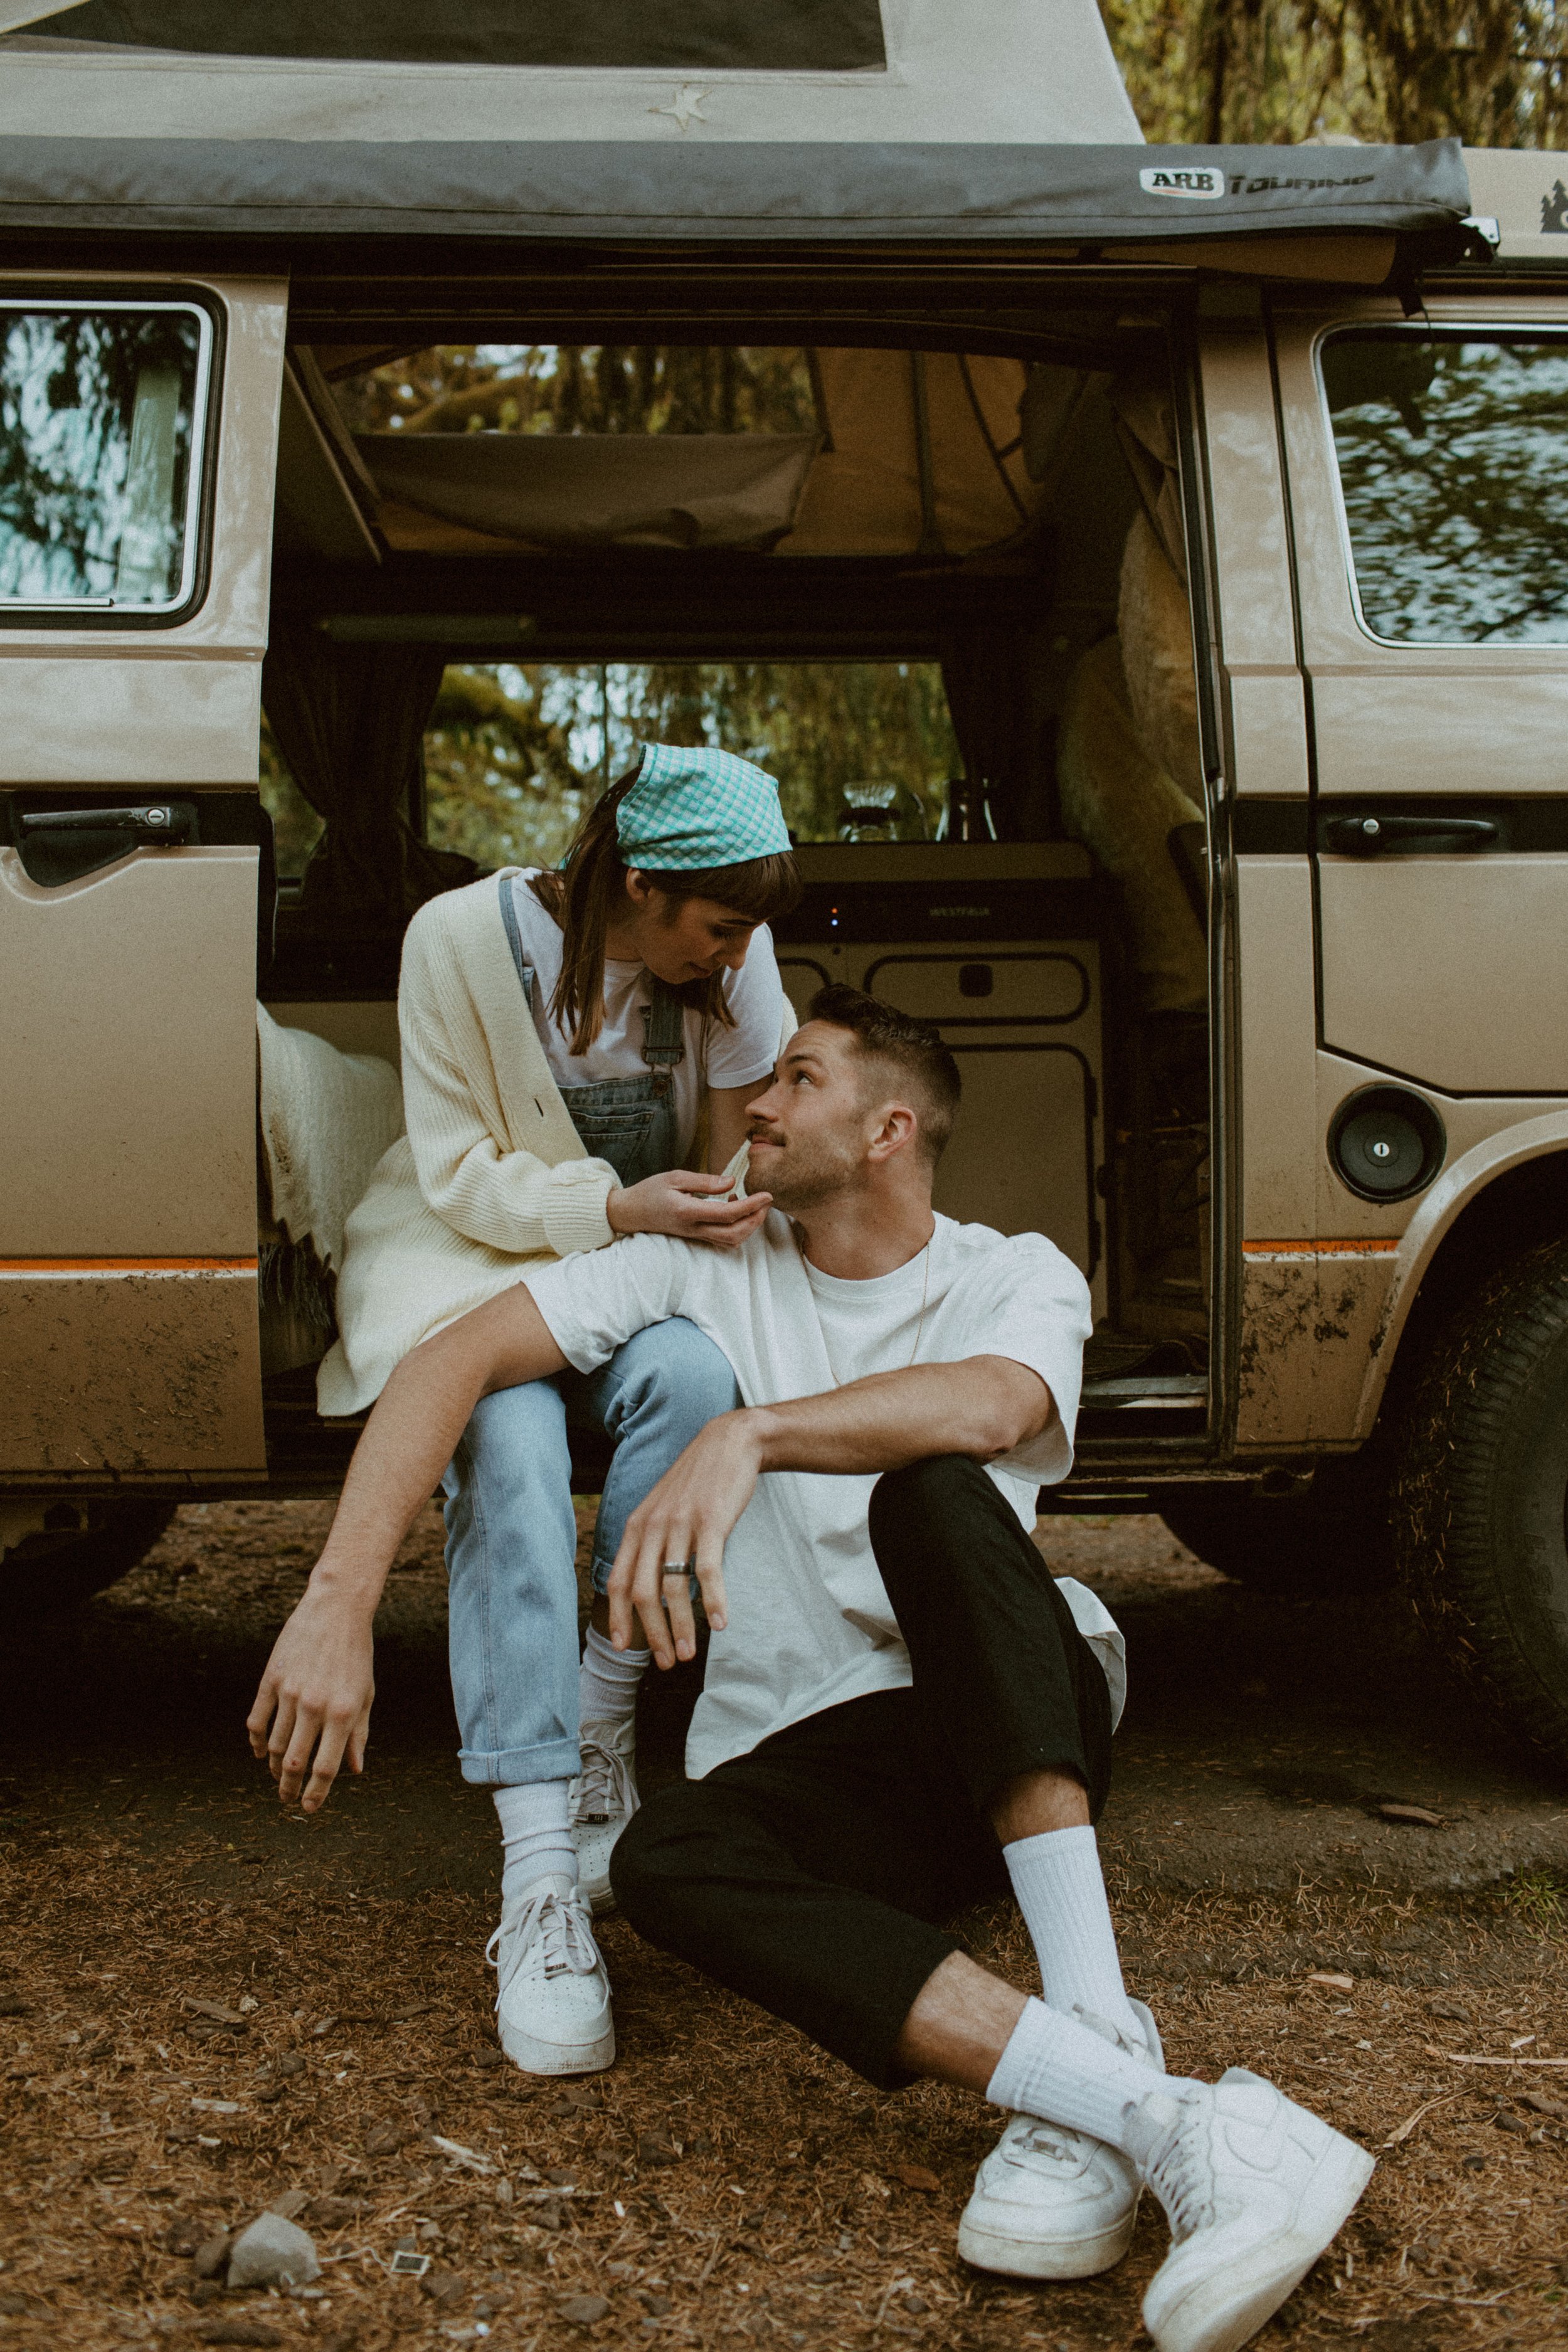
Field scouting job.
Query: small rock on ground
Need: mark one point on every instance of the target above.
(273, 2253)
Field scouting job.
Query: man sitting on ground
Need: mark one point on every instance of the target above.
(902, 1711)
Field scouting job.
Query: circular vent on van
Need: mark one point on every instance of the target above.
(1386, 1144)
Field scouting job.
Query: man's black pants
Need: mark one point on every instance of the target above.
(811, 1875)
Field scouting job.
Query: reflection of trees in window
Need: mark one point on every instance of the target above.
(1457, 494)
(95, 427)
(515, 752)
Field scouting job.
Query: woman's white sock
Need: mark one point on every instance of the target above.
(536, 1836)
(1060, 1889)
(1056, 2068)
(608, 1687)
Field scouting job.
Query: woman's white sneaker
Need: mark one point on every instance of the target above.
(603, 1798)
(552, 2004)
(1253, 2188)
(1051, 2204)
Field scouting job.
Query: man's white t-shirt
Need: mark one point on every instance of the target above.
(715, 1055)
(810, 1624)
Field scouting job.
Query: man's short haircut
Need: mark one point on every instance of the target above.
(913, 1048)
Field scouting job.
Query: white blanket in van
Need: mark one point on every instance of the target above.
(327, 1117)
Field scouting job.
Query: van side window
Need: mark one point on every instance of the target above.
(102, 415)
(1453, 460)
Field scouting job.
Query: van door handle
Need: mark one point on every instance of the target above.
(168, 821)
(1377, 837)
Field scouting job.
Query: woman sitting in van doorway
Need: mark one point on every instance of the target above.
(568, 1040)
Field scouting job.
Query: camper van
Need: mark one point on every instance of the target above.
(1212, 499)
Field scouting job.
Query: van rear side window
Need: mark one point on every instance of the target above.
(103, 418)
(1453, 460)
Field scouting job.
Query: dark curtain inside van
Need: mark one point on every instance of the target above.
(986, 672)
(350, 720)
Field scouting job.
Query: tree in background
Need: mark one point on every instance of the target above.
(585, 388)
(515, 752)
(1491, 72)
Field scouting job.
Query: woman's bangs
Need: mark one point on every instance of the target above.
(762, 889)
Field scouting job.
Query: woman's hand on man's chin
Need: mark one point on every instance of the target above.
(689, 1205)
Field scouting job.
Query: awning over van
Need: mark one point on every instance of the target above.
(1120, 196)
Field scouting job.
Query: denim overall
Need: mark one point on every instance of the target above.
(512, 1533)
(631, 1122)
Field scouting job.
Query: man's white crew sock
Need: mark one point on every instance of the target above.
(536, 1836)
(1060, 1889)
(607, 1687)
(1056, 2068)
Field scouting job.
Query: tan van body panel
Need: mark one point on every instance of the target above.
(144, 996)
(129, 1316)
(1468, 1009)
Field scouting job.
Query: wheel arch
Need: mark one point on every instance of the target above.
(1495, 1201)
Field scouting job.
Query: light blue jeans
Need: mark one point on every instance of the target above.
(511, 1536)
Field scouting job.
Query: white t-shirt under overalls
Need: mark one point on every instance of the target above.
(714, 1056)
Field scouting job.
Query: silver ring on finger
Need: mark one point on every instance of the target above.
(678, 1567)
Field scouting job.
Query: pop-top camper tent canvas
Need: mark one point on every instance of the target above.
(959, 121)
(678, 72)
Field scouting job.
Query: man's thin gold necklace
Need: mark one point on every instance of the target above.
(925, 1294)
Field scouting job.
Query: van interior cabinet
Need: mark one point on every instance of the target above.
(998, 945)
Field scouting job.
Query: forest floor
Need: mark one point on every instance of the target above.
(726, 2184)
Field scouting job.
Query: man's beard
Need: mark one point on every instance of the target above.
(805, 1174)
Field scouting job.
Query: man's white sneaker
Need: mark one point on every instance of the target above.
(1253, 2188)
(1050, 2203)
(553, 1998)
(603, 1798)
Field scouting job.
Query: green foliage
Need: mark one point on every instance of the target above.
(1536, 1899)
(500, 783)
(1491, 72)
(516, 753)
(585, 388)
(296, 827)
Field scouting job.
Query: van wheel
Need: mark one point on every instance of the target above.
(1334, 1539)
(1482, 1492)
(58, 1567)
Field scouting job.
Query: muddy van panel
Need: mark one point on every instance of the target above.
(128, 1311)
(127, 1374)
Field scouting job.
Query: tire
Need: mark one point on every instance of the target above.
(59, 1567)
(1480, 1495)
(1334, 1539)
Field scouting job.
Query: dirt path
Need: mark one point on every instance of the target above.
(725, 2181)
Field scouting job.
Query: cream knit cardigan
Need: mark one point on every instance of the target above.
(491, 1173)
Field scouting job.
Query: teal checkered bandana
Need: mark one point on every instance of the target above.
(691, 809)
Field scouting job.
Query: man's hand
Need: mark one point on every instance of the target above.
(315, 1697)
(687, 1517)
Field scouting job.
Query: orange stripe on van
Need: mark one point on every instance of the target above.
(128, 1265)
(1347, 1248)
